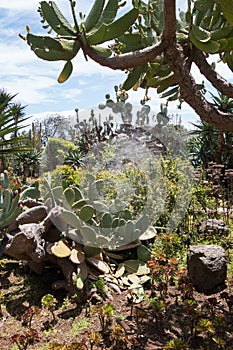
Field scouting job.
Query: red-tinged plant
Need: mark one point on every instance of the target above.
(49, 302)
(72, 346)
(176, 344)
(209, 305)
(95, 339)
(229, 300)
(29, 337)
(118, 337)
(105, 313)
(193, 315)
(184, 285)
(28, 315)
(158, 308)
(163, 272)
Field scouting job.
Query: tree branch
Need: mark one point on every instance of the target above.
(191, 94)
(211, 75)
(169, 15)
(127, 60)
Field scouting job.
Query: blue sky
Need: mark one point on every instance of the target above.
(35, 80)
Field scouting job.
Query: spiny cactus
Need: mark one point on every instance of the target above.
(31, 191)
(9, 199)
(98, 26)
(93, 222)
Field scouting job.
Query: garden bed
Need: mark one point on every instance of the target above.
(196, 322)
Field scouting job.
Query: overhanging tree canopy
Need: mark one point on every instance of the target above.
(157, 48)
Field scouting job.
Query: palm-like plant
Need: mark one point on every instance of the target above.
(11, 120)
(17, 111)
(27, 163)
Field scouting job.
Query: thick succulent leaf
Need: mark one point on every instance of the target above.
(53, 16)
(77, 256)
(51, 49)
(136, 266)
(109, 13)
(227, 6)
(94, 15)
(71, 219)
(120, 270)
(201, 34)
(65, 73)
(208, 47)
(99, 264)
(133, 77)
(102, 51)
(89, 235)
(113, 30)
(86, 213)
(144, 254)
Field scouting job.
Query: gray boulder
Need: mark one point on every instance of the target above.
(207, 267)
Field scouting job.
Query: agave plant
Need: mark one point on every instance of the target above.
(210, 144)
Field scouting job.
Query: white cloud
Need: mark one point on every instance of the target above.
(35, 80)
(20, 5)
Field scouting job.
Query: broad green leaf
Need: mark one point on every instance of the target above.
(227, 6)
(94, 15)
(111, 31)
(201, 34)
(66, 72)
(133, 77)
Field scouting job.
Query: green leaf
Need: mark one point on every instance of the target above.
(79, 204)
(111, 31)
(227, 6)
(68, 197)
(86, 213)
(102, 51)
(89, 235)
(78, 281)
(42, 42)
(77, 194)
(136, 266)
(94, 15)
(55, 19)
(73, 235)
(133, 77)
(208, 47)
(51, 49)
(144, 254)
(71, 219)
(64, 23)
(222, 33)
(109, 13)
(100, 207)
(91, 251)
(66, 72)
(131, 42)
(201, 34)
(106, 220)
(142, 223)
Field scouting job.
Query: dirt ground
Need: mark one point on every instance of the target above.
(20, 291)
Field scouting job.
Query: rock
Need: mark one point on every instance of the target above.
(214, 226)
(207, 267)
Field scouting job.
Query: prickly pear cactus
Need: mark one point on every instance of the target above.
(95, 28)
(91, 221)
(31, 191)
(9, 199)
